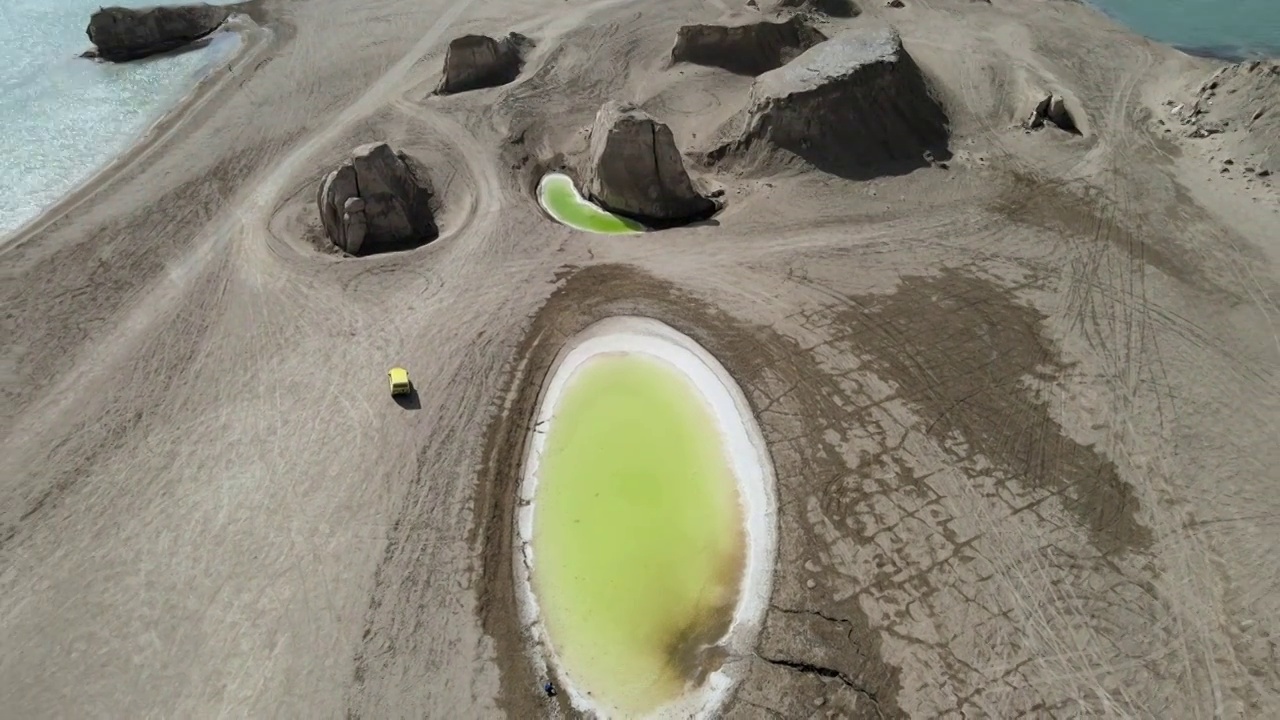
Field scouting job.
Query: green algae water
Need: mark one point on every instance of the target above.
(637, 532)
(561, 200)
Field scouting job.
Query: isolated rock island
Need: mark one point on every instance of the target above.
(121, 34)
(635, 169)
(376, 202)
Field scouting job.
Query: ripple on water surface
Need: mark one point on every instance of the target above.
(1232, 30)
(64, 116)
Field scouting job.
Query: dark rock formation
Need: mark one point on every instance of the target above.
(636, 169)
(748, 49)
(856, 106)
(376, 202)
(1052, 109)
(122, 34)
(478, 61)
(830, 8)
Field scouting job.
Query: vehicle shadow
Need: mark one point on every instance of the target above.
(409, 401)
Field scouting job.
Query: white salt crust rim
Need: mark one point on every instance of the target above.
(577, 196)
(751, 466)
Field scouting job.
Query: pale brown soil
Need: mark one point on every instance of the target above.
(1023, 410)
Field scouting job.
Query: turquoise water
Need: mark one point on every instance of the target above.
(63, 116)
(1229, 29)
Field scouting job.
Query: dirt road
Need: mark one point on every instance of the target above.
(1022, 409)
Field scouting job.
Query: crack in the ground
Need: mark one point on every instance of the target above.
(827, 673)
(815, 613)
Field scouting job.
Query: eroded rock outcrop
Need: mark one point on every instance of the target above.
(830, 8)
(635, 169)
(121, 34)
(1052, 110)
(748, 49)
(375, 202)
(856, 106)
(473, 62)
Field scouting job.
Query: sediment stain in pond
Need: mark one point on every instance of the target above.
(638, 532)
(562, 201)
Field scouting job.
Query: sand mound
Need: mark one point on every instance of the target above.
(856, 106)
(1238, 103)
(635, 169)
(376, 202)
(121, 34)
(832, 8)
(749, 49)
(473, 62)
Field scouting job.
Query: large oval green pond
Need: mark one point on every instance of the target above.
(637, 532)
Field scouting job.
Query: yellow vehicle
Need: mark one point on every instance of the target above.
(399, 378)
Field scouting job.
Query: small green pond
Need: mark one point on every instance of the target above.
(638, 532)
(562, 201)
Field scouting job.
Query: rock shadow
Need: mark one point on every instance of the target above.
(749, 49)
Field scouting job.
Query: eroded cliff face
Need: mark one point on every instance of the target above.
(856, 105)
(749, 49)
(634, 168)
(473, 62)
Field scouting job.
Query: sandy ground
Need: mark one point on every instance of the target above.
(1022, 410)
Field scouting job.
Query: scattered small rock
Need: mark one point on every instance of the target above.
(895, 4)
(810, 583)
(1205, 129)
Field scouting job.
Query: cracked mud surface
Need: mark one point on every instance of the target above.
(1022, 410)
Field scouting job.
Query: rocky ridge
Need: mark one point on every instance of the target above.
(856, 106)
